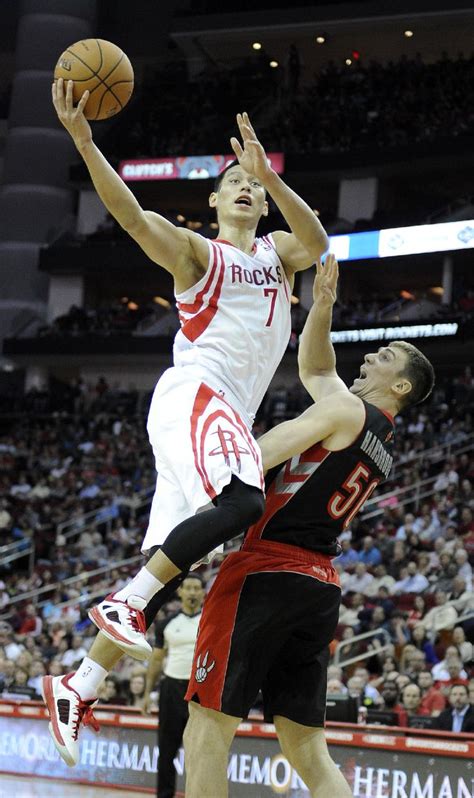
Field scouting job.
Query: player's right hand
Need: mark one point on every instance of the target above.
(71, 117)
(325, 282)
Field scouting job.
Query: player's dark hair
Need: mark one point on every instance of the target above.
(193, 575)
(220, 176)
(419, 371)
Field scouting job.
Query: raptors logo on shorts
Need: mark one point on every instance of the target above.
(228, 447)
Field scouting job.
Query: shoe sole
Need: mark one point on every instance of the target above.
(131, 649)
(46, 692)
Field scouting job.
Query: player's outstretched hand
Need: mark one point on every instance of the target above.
(325, 282)
(251, 156)
(71, 117)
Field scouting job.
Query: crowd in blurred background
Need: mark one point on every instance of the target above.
(76, 477)
(343, 107)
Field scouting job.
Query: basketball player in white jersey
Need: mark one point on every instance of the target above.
(233, 296)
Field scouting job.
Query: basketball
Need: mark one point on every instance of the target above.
(103, 69)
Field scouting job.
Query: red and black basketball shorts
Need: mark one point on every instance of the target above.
(266, 625)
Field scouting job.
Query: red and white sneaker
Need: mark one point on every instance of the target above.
(67, 711)
(123, 622)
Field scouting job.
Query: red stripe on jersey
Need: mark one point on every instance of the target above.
(198, 301)
(203, 397)
(292, 475)
(193, 328)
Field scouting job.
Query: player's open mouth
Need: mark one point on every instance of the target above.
(244, 201)
(362, 374)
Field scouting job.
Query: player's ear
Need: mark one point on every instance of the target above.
(213, 199)
(265, 209)
(401, 388)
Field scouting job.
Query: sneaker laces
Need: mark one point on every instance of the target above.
(137, 620)
(85, 716)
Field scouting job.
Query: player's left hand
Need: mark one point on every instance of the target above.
(325, 282)
(251, 156)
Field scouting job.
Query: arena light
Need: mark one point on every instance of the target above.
(257, 46)
(401, 241)
(408, 34)
(348, 62)
(158, 300)
(320, 39)
(273, 64)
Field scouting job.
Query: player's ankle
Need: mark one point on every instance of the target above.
(87, 679)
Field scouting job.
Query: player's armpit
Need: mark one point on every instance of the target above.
(339, 414)
(292, 253)
(321, 385)
(174, 248)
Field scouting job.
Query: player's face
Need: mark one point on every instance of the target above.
(191, 594)
(379, 371)
(240, 199)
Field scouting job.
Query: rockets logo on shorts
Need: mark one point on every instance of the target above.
(228, 446)
(202, 670)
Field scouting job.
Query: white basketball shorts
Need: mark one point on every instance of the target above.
(199, 441)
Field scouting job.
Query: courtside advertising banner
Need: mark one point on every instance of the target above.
(377, 767)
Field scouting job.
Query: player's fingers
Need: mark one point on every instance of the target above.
(235, 144)
(69, 95)
(82, 101)
(249, 124)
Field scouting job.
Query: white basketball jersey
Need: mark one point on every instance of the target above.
(235, 322)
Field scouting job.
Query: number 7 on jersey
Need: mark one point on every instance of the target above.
(273, 293)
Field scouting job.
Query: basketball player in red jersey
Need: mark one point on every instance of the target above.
(274, 607)
(233, 296)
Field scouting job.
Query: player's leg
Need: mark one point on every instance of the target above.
(173, 716)
(207, 740)
(306, 750)
(119, 616)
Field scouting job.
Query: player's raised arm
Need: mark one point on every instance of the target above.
(334, 420)
(316, 356)
(170, 246)
(308, 239)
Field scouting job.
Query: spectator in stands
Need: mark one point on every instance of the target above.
(349, 616)
(441, 616)
(370, 554)
(348, 557)
(110, 692)
(411, 700)
(415, 664)
(369, 694)
(391, 702)
(381, 579)
(460, 716)
(465, 648)
(432, 700)
(461, 597)
(420, 639)
(335, 686)
(75, 654)
(417, 612)
(136, 689)
(36, 673)
(464, 568)
(32, 623)
(456, 675)
(411, 581)
(359, 580)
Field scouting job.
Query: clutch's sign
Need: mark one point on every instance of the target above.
(375, 765)
(191, 167)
